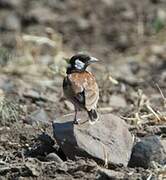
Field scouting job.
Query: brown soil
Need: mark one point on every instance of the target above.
(129, 38)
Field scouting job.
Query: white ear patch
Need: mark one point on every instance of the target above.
(79, 64)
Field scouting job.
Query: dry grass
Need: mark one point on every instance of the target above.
(144, 105)
(9, 111)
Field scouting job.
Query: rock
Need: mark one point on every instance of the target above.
(37, 116)
(117, 101)
(106, 174)
(107, 140)
(12, 22)
(128, 14)
(31, 94)
(35, 95)
(123, 43)
(54, 157)
(37, 13)
(6, 84)
(34, 166)
(161, 14)
(147, 150)
(124, 73)
(82, 23)
(158, 49)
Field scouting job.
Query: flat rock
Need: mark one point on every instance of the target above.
(107, 140)
(147, 150)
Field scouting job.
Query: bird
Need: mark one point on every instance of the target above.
(80, 86)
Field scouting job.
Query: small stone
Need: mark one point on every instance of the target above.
(129, 14)
(157, 49)
(82, 23)
(54, 157)
(104, 174)
(161, 14)
(147, 150)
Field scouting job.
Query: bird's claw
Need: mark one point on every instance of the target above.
(76, 121)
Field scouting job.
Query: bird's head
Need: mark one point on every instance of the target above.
(80, 62)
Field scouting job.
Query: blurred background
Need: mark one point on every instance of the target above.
(129, 38)
(104, 28)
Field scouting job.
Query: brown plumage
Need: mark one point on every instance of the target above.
(80, 86)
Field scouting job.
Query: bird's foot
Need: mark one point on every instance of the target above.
(76, 121)
(92, 122)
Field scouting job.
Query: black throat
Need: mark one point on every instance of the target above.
(73, 70)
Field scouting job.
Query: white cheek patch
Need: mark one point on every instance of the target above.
(79, 64)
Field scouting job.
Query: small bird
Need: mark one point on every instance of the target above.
(80, 86)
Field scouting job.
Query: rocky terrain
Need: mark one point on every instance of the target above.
(36, 140)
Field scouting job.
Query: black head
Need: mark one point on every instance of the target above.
(80, 62)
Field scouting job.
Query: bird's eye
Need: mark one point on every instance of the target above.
(79, 64)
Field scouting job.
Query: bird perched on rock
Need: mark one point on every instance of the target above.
(80, 86)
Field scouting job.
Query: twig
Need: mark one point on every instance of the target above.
(105, 109)
(137, 117)
(39, 39)
(150, 109)
(162, 95)
(105, 156)
(150, 176)
(161, 91)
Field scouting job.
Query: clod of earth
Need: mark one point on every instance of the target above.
(108, 140)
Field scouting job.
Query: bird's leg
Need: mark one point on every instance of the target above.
(76, 120)
(75, 116)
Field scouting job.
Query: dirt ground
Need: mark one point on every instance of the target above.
(129, 37)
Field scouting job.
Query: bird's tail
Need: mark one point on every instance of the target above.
(93, 115)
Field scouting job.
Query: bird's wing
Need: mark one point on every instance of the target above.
(74, 89)
(84, 89)
(91, 91)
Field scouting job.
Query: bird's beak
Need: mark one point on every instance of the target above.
(93, 60)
